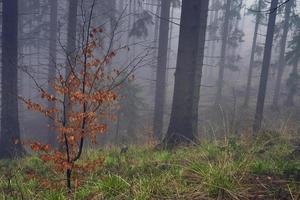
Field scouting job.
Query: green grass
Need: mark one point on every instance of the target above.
(231, 169)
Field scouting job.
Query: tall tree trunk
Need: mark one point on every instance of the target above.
(293, 90)
(281, 66)
(160, 88)
(210, 22)
(71, 44)
(251, 65)
(214, 43)
(52, 63)
(184, 116)
(10, 130)
(265, 67)
(21, 50)
(71, 33)
(155, 47)
(222, 63)
(170, 39)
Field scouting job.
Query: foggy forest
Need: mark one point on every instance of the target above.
(150, 99)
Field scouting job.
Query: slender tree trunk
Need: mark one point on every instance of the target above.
(214, 43)
(281, 66)
(71, 33)
(210, 22)
(52, 63)
(134, 12)
(21, 50)
(184, 116)
(71, 44)
(265, 67)
(251, 65)
(292, 91)
(10, 130)
(69, 179)
(170, 39)
(155, 52)
(222, 63)
(161, 69)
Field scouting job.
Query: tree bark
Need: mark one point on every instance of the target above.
(10, 130)
(223, 53)
(160, 88)
(251, 65)
(52, 63)
(265, 68)
(71, 45)
(281, 66)
(184, 115)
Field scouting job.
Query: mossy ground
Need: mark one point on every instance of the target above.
(266, 168)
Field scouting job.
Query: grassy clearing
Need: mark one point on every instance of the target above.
(268, 168)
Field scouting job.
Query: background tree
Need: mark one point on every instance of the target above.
(71, 32)
(161, 69)
(265, 67)
(213, 30)
(258, 18)
(282, 62)
(235, 37)
(71, 39)
(52, 60)
(225, 32)
(131, 103)
(292, 57)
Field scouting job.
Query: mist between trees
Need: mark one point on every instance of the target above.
(78, 74)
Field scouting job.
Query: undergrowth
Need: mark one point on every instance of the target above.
(266, 168)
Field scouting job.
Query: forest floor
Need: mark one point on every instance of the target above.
(267, 168)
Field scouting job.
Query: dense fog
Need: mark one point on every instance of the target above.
(150, 99)
(227, 97)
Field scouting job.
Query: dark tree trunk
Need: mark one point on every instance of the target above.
(265, 67)
(222, 63)
(71, 45)
(251, 65)
(10, 130)
(71, 33)
(52, 63)
(69, 180)
(160, 89)
(281, 63)
(184, 116)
